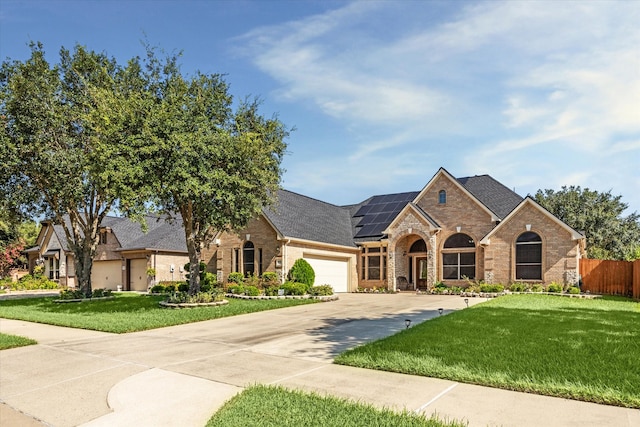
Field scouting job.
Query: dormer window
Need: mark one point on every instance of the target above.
(442, 197)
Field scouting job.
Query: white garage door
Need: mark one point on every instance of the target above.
(138, 275)
(330, 271)
(106, 274)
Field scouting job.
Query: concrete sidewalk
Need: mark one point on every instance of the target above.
(182, 374)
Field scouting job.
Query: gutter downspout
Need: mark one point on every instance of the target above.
(284, 261)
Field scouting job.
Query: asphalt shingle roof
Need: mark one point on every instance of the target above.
(494, 195)
(302, 217)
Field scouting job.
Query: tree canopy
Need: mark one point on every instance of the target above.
(212, 166)
(609, 234)
(70, 139)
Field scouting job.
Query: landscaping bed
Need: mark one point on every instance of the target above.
(566, 347)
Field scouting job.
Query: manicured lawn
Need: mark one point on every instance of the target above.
(11, 341)
(276, 407)
(128, 312)
(578, 349)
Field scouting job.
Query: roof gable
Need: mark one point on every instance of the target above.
(529, 201)
(442, 173)
(418, 212)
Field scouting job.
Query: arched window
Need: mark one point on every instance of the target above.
(248, 259)
(442, 197)
(459, 257)
(529, 256)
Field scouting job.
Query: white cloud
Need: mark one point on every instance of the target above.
(498, 86)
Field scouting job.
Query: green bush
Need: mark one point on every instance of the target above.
(252, 280)
(440, 285)
(537, 288)
(269, 278)
(271, 291)
(71, 294)
(321, 290)
(183, 287)
(171, 288)
(236, 278)
(574, 290)
(302, 272)
(158, 289)
(293, 288)
(517, 287)
(29, 283)
(208, 281)
(251, 291)
(235, 289)
(199, 298)
(554, 287)
(491, 288)
(101, 293)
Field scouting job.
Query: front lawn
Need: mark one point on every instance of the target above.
(129, 312)
(266, 406)
(572, 348)
(11, 341)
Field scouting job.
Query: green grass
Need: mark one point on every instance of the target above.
(268, 406)
(11, 341)
(128, 312)
(573, 348)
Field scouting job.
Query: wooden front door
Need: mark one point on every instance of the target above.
(421, 273)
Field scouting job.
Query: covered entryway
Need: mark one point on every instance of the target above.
(106, 274)
(137, 274)
(330, 271)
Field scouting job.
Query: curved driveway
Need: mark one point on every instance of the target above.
(180, 375)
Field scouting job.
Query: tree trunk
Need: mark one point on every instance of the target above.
(194, 267)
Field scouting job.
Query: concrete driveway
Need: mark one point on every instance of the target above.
(180, 375)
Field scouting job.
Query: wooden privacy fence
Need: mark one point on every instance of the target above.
(611, 277)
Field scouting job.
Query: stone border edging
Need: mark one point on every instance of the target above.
(497, 294)
(323, 298)
(192, 304)
(62, 301)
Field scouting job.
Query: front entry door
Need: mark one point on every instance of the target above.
(421, 273)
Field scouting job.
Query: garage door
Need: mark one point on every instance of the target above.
(106, 274)
(138, 275)
(330, 271)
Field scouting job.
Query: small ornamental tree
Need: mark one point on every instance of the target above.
(302, 272)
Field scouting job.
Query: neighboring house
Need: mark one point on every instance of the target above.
(451, 230)
(123, 256)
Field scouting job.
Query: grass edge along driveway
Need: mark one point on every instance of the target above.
(129, 312)
(274, 406)
(11, 341)
(564, 347)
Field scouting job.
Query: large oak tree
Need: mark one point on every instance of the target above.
(209, 165)
(610, 234)
(71, 142)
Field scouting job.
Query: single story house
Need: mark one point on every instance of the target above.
(124, 254)
(452, 230)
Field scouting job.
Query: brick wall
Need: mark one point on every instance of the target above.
(560, 251)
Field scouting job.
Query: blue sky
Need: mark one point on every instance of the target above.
(382, 94)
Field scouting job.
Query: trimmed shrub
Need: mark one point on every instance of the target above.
(72, 294)
(493, 288)
(252, 291)
(208, 281)
(183, 287)
(517, 287)
(101, 293)
(321, 290)
(170, 288)
(302, 272)
(537, 288)
(269, 278)
(440, 285)
(252, 280)
(574, 290)
(158, 289)
(293, 288)
(271, 291)
(236, 277)
(29, 283)
(554, 288)
(235, 289)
